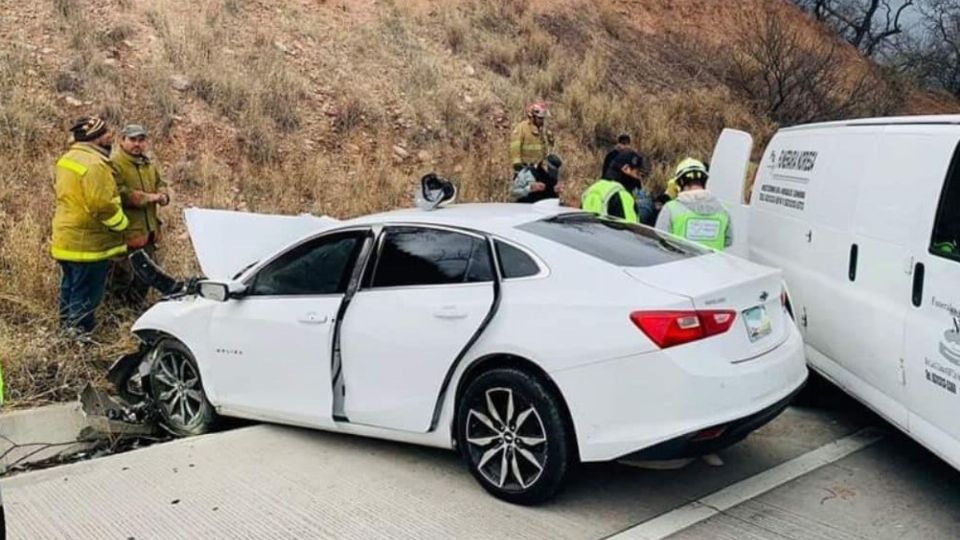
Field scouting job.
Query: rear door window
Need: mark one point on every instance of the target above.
(423, 256)
(616, 242)
(945, 241)
(514, 263)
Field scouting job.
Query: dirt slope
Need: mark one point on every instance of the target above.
(337, 107)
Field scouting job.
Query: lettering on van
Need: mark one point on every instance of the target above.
(796, 160)
(788, 197)
(941, 382)
(942, 375)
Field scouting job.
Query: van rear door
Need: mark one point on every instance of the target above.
(728, 173)
(932, 352)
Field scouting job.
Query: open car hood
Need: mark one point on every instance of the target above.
(225, 242)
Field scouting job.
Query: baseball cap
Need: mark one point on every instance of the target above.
(133, 130)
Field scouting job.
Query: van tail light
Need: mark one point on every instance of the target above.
(670, 328)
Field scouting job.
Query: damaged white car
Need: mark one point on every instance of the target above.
(528, 337)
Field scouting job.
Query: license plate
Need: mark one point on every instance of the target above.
(758, 322)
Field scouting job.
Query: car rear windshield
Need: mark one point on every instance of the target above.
(616, 242)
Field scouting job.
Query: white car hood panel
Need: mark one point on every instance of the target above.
(226, 241)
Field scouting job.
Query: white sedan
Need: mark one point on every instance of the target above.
(527, 337)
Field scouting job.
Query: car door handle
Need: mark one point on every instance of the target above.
(313, 318)
(450, 312)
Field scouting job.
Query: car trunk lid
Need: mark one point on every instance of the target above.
(723, 282)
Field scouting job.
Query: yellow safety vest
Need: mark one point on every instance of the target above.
(597, 198)
(706, 229)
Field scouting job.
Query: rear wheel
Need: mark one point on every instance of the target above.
(176, 387)
(512, 436)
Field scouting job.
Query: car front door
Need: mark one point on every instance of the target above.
(933, 325)
(427, 295)
(271, 349)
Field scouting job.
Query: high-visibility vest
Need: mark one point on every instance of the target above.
(706, 229)
(597, 197)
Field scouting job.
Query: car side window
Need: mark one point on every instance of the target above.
(320, 266)
(945, 241)
(425, 256)
(514, 263)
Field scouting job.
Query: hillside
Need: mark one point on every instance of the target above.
(337, 107)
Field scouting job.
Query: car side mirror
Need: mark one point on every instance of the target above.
(220, 291)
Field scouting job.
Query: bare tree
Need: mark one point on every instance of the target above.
(933, 56)
(793, 79)
(869, 25)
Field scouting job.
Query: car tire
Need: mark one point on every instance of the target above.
(177, 390)
(512, 436)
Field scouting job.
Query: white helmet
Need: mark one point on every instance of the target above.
(434, 191)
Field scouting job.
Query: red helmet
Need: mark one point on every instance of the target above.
(538, 109)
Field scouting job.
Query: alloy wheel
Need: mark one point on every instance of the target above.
(178, 391)
(506, 439)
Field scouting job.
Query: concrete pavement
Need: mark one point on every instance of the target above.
(277, 482)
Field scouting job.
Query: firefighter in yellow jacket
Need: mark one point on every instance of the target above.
(88, 223)
(142, 191)
(530, 142)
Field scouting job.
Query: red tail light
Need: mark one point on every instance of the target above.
(669, 328)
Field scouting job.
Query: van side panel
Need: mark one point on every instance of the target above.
(804, 219)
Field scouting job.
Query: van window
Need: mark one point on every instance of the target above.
(946, 230)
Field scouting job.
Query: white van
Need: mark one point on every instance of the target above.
(863, 216)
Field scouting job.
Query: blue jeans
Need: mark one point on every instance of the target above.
(646, 211)
(81, 290)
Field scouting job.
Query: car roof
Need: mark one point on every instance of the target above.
(928, 120)
(480, 216)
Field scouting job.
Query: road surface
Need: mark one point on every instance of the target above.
(834, 472)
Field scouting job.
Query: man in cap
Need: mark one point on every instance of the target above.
(142, 191)
(537, 183)
(88, 222)
(613, 195)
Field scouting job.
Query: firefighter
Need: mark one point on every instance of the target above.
(530, 141)
(142, 191)
(88, 223)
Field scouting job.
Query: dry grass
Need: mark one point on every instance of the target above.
(299, 112)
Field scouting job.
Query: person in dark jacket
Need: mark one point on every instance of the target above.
(537, 183)
(623, 143)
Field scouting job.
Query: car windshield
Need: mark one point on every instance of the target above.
(616, 242)
(244, 269)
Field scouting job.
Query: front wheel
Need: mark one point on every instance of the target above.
(512, 436)
(176, 388)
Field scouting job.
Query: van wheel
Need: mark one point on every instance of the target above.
(511, 434)
(176, 388)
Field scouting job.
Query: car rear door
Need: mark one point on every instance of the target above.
(932, 353)
(270, 351)
(427, 295)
